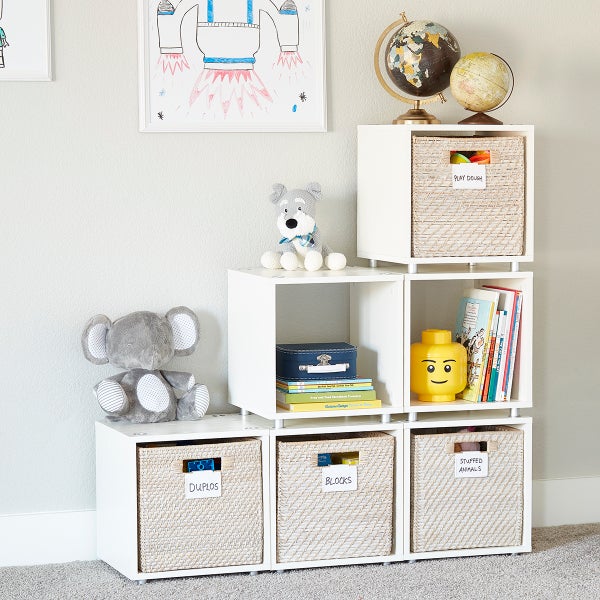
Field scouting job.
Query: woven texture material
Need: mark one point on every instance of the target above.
(454, 222)
(179, 533)
(449, 513)
(312, 524)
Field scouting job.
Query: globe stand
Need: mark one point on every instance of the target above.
(416, 116)
(480, 118)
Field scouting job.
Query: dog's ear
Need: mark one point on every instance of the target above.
(314, 189)
(279, 190)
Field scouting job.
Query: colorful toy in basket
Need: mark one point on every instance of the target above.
(144, 342)
(301, 244)
(438, 366)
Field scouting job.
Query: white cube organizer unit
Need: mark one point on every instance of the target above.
(406, 498)
(464, 501)
(381, 311)
(431, 300)
(376, 514)
(409, 212)
(150, 525)
(359, 305)
(345, 526)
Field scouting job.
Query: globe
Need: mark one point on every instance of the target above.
(420, 56)
(481, 82)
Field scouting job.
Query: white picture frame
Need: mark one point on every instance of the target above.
(232, 65)
(25, 40)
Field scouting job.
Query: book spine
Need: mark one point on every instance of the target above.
(324, 388)
(325, 397)
(513, 350)
(324, 382)
(490, 361)
(330, 406)
(498, 352)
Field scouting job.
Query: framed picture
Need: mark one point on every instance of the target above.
(232, 65)
(25, 40)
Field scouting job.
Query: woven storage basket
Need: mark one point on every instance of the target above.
(455, 222)
(179, 533)
(312, 524)
(449, 513)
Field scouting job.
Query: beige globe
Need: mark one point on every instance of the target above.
(480, 81)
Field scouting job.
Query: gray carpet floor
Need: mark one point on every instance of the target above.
(564, 564)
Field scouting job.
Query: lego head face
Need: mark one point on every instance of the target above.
(438, 367)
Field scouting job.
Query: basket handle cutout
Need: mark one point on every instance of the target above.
(327, 459)
(468, 446)
(191, 465)
(478, 157)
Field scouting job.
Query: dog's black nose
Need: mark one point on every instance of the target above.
(291, 223)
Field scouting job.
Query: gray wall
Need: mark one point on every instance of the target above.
(98, 217)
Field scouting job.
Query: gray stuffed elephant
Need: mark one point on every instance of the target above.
(144, 342)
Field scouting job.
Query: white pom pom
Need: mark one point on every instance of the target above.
(289, 261)
(270, 260)
(335, 261)
(313, 261)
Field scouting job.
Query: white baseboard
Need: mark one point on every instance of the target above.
(566, 501)
(42, 538)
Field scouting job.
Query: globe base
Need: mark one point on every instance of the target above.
(416, 116)
(480, 118)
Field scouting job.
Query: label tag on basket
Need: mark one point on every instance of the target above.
(203, 484)
(468, 176)
(339, 478)
(470, 464)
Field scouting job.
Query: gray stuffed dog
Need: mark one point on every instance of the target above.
(143, 343)
(301, 244)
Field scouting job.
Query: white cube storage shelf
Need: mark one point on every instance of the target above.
(431, 299)
(362, 306)
(128, 509)
(380, 310)
(312, 527)
(434, 527)
(385, 191)
(118, 492)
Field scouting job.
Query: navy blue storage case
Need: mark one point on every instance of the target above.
(335, 360)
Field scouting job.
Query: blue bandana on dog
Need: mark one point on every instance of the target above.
(305, 240)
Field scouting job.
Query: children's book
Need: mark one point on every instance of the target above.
(346, 396)
(493, 350)
(473, 326)
(317, 406)
(499, 350)
(507, 301)
(513, 349)
(295, 387)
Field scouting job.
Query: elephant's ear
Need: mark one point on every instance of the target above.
(186, 330)
(93, 339)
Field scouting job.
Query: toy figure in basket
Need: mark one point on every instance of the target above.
(144, 342)
(301, 244)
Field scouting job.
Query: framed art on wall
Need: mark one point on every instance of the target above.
(25, 40)
(232, 65)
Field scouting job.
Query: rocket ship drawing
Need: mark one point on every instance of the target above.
(228, 33)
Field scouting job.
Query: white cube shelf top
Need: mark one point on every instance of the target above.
(209, 427)
(453, 128)
(348, 275)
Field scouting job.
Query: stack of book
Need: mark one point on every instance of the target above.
(487, 325)
(326, 394)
